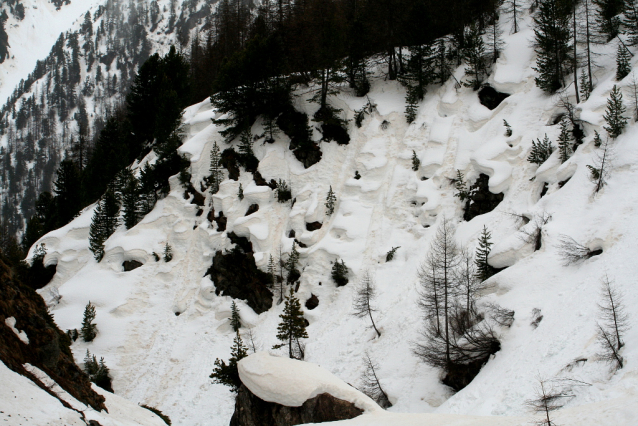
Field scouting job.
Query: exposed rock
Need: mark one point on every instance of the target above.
(229, 160)
(198, 198)
(48, 348)
(313, 226)
(259, 180)
(129, 265)
(307, 155)
(253, 411)
(37, 275)
(300, 244)
(252, 209)
(236, 275)
(221, 222)
(291, 234)
(481, 200)
(312, 302)
(490, 97)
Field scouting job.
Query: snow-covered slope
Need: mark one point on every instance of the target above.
(31, 38)
(161, 326)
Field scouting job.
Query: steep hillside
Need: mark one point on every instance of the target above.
(68, 95)
(162, 325)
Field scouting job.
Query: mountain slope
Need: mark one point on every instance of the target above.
(161, 326)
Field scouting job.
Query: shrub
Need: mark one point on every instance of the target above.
(339, 273)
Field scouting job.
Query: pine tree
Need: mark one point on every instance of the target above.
(364, 297)
(235, 319)
(622, 62)
(291, 264)
(240, 192)
(564, 141)
(418, 73)
(597, 140)
(131, 202)
(552, 44)
(541, 150)
(292, 327)
(168, 253)
(585, 86)
(339, 273)
(483, 269)
(614, 118)
(416, 163)
(411, 105)
(508, 128)
(89, 330)
(462, 193)
(474, 55)
(227, 374)
(331, 199)
(216, 172)
(104, 222)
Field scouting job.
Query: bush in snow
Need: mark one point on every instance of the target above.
(339, 273)
(508, 128)
(541, 150)
(98, 372)
(537, 317)
(416, 163)
(89, 330)
(573, 252)
(283, 191)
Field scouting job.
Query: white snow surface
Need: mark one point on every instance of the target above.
(11, 323)
(291, 383)
(161, 326)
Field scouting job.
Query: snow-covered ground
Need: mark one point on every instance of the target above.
(31, 39)
(163, 359)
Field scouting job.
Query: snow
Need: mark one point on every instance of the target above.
(163, 359)
(290, 382)
(11, 323)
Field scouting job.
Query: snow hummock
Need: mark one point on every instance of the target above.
(11, 323)
(291, 382)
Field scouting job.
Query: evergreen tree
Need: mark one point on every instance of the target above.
(331, 199)
(89, 330)
(622, 62)
(541, 150)
(227, 374)
(235, 319)
(131, 202)
(564, 141)
(419, 72)
(292, 263)
(508, 128)
(552, 44)
(339, 273)
(483, 269)
(630, 23)
(68, 191)
(597, 140)
(240, 192)
(104, 222)
(474, 55)
(416, 163)
(292, 327)
(216, 172)
(614, 118)
(585, 86)
(283, 191)
(168, 253)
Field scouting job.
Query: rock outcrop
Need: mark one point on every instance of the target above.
(253, 411)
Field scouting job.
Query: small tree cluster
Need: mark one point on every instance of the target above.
(89, 330)
(541, 150)
(292, 328)
(283, 191)
(339, 273)
(98, 372)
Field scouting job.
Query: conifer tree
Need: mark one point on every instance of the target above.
(552, 44)
(418, 73)
(89, 330)
(291, 264)
(564, 141)
(235, 319)
(292, 327)
(607, 18)
(483, 269)
(416, 163)
(474, 56)
(585, 86)
(168, 252)
(597, 139)
(131, 202)
(630, 23)
(216, 172)
(240, 192)
(364, 297)
(462, 193)
(508, 128)
(104, 222)
(331, 199)
(339, 273)
(227, 374)
(614, 118)
(622, 62)
(541, 150)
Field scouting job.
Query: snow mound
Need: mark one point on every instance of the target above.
(291, 383)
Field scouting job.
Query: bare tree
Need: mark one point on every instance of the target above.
(501, 316)
(370, 384)
(614, 322)
(548, 398)
(601, 170)
(573, 252)
(364, 297)
(251, 340)
(533, 234)
(468, 283)
(515, 8)
(633, 94)
(429, 292)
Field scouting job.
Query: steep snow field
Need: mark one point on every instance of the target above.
(31, 39)
(162, 359)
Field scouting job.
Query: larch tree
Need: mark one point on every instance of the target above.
(292, 327)
(613, 324)
(364, 299)
(370, 384)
